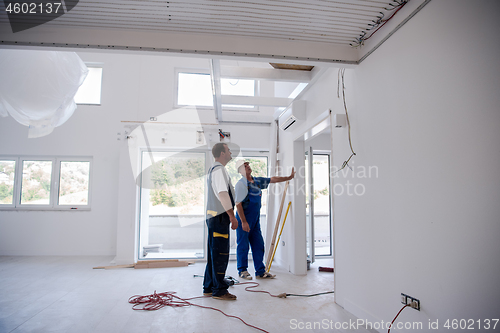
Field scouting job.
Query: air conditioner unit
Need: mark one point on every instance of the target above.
(294, 114)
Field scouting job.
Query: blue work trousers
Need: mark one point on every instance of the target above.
(217, 255)
(252, 239)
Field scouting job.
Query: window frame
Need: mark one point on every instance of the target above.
(55, 180)
(14, 195)
(140, 196)
(19, 174)
(329, 159)
(204, 71)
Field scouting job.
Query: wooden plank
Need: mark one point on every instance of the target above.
(153, 264)
(168, 264)
(153, 261)
(276, 246)
(115, 266)
(292, 67)
(161, 264)
(276, 227)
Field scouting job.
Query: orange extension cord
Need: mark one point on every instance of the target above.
(157, 301)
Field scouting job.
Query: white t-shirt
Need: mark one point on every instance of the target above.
(219, 183)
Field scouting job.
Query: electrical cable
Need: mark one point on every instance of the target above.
(324, 293)
(282, 295)
(157, 301)
(396, 317)
(379, 23)
(256, 284)
(340, 79)
(385, 21)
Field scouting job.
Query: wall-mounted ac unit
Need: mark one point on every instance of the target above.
(294, 114)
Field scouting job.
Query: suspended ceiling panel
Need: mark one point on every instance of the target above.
(290, 31)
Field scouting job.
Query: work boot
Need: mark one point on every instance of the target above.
(266, 275)
(226, 297)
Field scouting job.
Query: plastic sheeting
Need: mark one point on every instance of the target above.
(37, 87)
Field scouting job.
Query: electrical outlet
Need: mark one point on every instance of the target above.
(411, 301)
(200, 138)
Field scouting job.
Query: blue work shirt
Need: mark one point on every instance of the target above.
(250, 195)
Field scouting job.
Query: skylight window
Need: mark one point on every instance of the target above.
(237, 87)
(196, 89)
(298, 90)
(90, 91)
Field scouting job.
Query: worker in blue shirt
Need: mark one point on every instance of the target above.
(248, 234)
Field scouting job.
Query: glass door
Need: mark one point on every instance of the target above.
(318, 227)
(321, 206)
(309, 171)
(172, 219)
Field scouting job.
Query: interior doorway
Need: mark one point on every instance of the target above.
(318, 201)
(172, 216)
(173, 200)
(318, 238)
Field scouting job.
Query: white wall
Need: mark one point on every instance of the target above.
(424, 109)
(135, 87)
(320, 142)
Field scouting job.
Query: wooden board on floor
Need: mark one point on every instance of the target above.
(159, 260)
(153, 264)
(161, 264)
(115, 266)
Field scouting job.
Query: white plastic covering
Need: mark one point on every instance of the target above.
(37, 87)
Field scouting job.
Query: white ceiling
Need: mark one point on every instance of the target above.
(291, 31)
(314, 32)
(324, 21)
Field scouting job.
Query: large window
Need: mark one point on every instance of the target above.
(194, 88)
(172, 220)
(173, 198)
(45, 183)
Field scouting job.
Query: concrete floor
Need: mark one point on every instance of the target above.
(64, 294)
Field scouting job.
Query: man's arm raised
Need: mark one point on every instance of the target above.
(283, 179)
